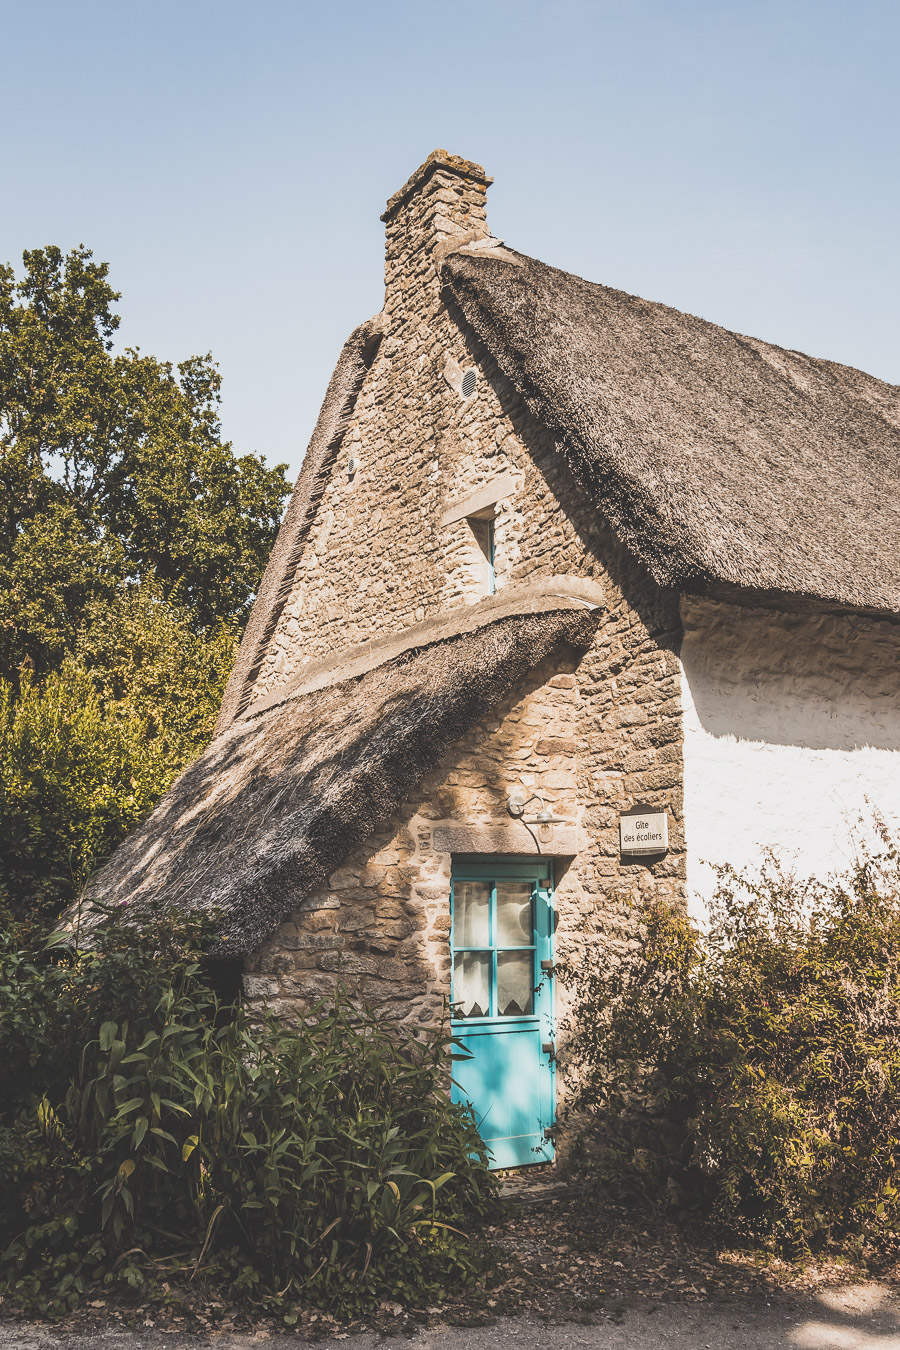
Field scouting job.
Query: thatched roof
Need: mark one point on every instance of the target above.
(281, 798)
(727, 465)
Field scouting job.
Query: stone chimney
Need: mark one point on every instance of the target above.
(441, 206)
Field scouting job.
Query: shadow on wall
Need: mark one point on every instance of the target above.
(603, 554)
(820, 682)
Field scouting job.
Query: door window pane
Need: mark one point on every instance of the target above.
(514, 927)
(471, 907)
(515, 980)
(471, 984)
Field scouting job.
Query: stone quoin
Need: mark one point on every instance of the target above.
(555, 553)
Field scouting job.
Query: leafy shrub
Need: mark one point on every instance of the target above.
(73, 776)
(751, 1076)
(86, 753)
(145, 1129)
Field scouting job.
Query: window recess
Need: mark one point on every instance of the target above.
(483, 532)
(479, 511)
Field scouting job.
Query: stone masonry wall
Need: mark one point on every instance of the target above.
(381, 926)
(593, 735)
(374, 563)
(584, 741)
(379, 557)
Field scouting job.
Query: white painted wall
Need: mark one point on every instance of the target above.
(792, 734)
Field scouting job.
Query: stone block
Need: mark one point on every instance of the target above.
(318, 901)
(260, 987)
(304, 960)
(343, 879)
(386, 908)
(371, 877)
(316, 942)
(556, 746)
(322, 921)
(432, 892)
(392, 930)
(352, 919)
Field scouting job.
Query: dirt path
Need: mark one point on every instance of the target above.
(865, 1317)
(563, 1275)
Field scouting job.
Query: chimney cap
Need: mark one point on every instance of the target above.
(438, 159)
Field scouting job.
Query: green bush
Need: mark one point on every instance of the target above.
(87, 752)
(74, 776)
(750, 1077)
(145, 1130)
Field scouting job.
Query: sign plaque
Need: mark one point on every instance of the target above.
(643, 830)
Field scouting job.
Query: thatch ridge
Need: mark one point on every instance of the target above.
(534, 596)
(726, 464)
(278, 801)
(346, 381)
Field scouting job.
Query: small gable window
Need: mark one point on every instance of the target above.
(473, 557)
(483, 531)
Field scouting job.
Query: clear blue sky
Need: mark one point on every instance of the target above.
(735, 158)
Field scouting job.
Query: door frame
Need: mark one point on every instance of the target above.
(538, 869)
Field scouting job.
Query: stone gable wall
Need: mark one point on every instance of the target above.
(593, 736)
(379, 557)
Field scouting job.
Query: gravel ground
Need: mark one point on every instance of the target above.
(563, 1274)
(862, 1317)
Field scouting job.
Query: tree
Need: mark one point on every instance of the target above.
(112, 470)
(132, 539)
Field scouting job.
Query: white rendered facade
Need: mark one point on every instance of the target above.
(791, 738)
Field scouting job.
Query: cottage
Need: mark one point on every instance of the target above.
(575, 595)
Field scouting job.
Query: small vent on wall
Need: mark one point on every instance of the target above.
(467, 388)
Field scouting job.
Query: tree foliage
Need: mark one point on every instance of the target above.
(87, 751)
(132, 540)
(112, 470)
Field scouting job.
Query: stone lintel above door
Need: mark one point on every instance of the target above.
(506, 837)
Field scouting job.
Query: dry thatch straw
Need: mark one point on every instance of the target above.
(281, 798)
(727, 465)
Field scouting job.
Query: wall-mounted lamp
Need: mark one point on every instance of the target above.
(516, 802)
(545, 821)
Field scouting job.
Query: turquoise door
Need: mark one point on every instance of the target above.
(502, 1004)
